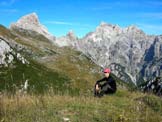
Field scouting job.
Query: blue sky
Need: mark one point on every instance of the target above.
(82, 16)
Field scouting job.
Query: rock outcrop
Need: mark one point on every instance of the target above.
(8, 55)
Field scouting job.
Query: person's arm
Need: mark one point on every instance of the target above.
(97, 85)
(99, 81)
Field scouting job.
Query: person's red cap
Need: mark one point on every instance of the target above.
(107, 70)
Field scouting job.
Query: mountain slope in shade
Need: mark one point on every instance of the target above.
(19, 73)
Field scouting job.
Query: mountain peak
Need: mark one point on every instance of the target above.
(71, 35)
(29, 18)
(116, 28)
(69, 40)
(28, 21)
(133, 28)
(104, 24)
(108, 29)
(31, 22)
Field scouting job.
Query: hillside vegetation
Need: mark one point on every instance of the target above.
(124, 106)
(60, 87)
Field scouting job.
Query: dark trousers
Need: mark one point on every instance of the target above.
(104, 89)
(159, 90)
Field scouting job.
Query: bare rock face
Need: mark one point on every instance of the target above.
(4, 50)
(122, 49)
(153, 60)
(69, 40)
(8, 55)
(31, 22)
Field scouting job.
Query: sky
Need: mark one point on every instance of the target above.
(83, 16)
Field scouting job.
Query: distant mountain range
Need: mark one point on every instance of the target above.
(132, 55)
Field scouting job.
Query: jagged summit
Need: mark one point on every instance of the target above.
(31, 22)
(104, 24)
(71, 35)
(113, 46)
(69, 40)
(31, 19)
(134, 28)
(113, 28)
(107, 25)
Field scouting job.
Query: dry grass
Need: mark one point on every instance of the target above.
(121, 107)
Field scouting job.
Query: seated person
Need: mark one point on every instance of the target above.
(108, 87)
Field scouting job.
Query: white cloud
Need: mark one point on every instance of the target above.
(59, 23)
(8, 10)
(67, 23)
(7, 3)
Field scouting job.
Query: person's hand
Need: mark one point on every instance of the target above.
(97, 88)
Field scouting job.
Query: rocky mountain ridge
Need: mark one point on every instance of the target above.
(129, 52)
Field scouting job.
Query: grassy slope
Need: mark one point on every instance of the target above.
(39, 78)
(121, 107)
(78, 70)
(62, 70)
(59, 66)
